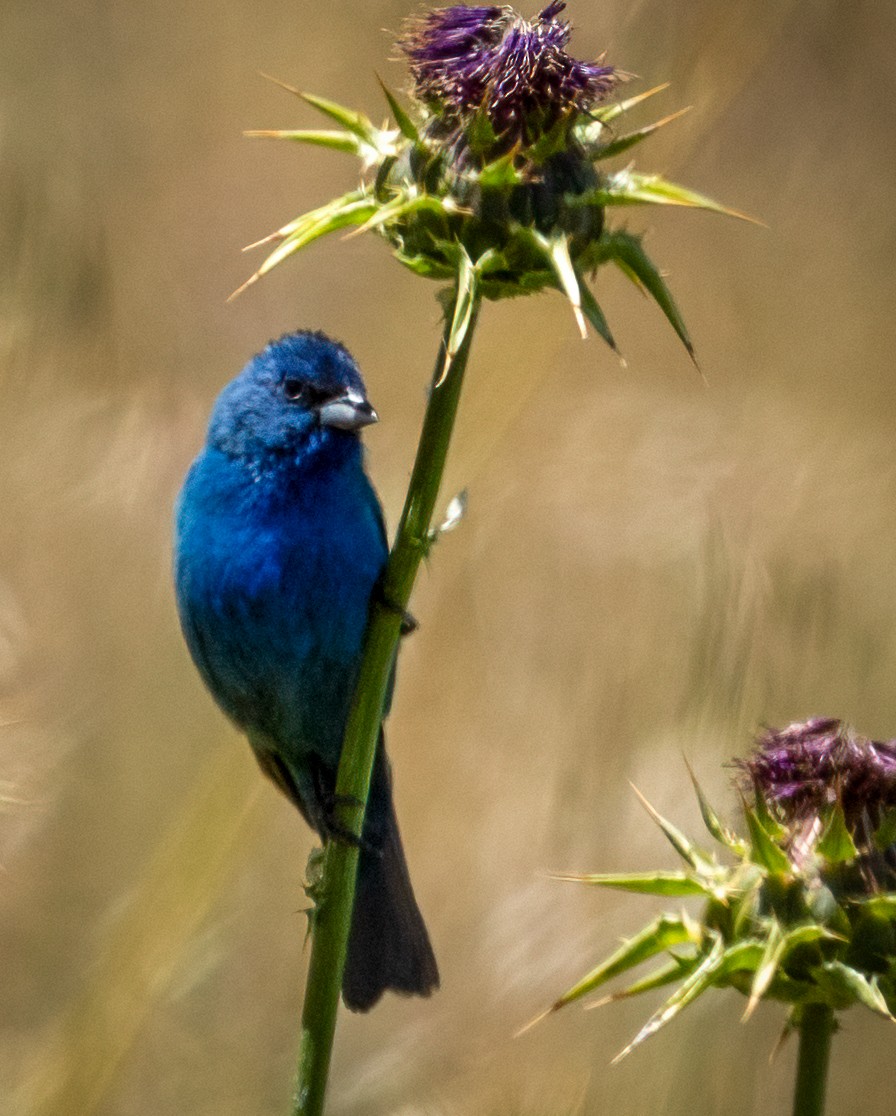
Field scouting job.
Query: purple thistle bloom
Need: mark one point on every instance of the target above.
(803, 770)
(467, 61)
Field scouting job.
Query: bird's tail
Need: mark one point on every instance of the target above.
(388, 946)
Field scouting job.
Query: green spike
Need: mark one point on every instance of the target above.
(712, 822)
(335, 140)
(623, 143)
(627, 187)
(556, 248)
(682, 845)
(674, 969)
(767, 967)
(405, 125)
(354, 121)
(627, 251)
(701, 978)
(767, 820)
(741, 957)
(669, 884)
(848, 985)
(658, 937)
(611, 112)
(348, 210)
(763, 850)
(595, 315)
(464, 305)
(836, 844)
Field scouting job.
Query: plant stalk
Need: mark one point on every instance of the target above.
(333, 912)
(816, 1030)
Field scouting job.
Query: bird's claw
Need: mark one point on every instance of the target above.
(409, 623)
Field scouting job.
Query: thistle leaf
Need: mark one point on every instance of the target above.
(836, 844)
(351, 209)
(682, 845)
(742, 957)
(405, 125)
(768, 966)
(500, 173)
(701, 978)
(659, 936)
(712, 822)
(669, 884)
(627, 251)
(337, 141)
(400, 206)
(627, 187)
(556, 248)
(604, 114)
(850, 986)
(767, 820)
(310, 218)
(354, 121)
(464, 305)
(674, 969)
(623, 143)
(595, 315)
(763, 850)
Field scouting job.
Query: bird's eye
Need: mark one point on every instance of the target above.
(294, 390)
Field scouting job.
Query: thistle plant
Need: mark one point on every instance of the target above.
(491, 181)
(800, 908)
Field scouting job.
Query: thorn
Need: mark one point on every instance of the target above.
(252, 279)
(696, 364)
(538, 1018)
(622, 1054)
(264, 240)
(779, 1045)
(650, 810)
(282, 84)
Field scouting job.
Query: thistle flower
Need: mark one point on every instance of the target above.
(802, 909)
(805, 769)
(515, 72)
(492, 180)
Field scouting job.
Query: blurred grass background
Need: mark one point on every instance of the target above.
(650, 566)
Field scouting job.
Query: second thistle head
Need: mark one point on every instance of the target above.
(833, 792)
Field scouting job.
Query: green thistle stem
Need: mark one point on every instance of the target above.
(816, 1030)
(332, 917)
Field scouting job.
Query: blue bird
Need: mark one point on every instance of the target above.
(279, 544)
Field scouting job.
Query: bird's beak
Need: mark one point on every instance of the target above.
(350, 411)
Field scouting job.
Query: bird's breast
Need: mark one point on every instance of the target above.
(274, 580)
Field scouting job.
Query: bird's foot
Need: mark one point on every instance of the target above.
(408, 623)
(334, 829)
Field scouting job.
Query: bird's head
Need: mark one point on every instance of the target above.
(300, 391)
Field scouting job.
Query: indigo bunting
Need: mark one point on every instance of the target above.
(279, 544)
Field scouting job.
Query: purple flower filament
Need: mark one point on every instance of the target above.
(467, 61)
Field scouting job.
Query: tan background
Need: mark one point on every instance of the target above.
(651, 566)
